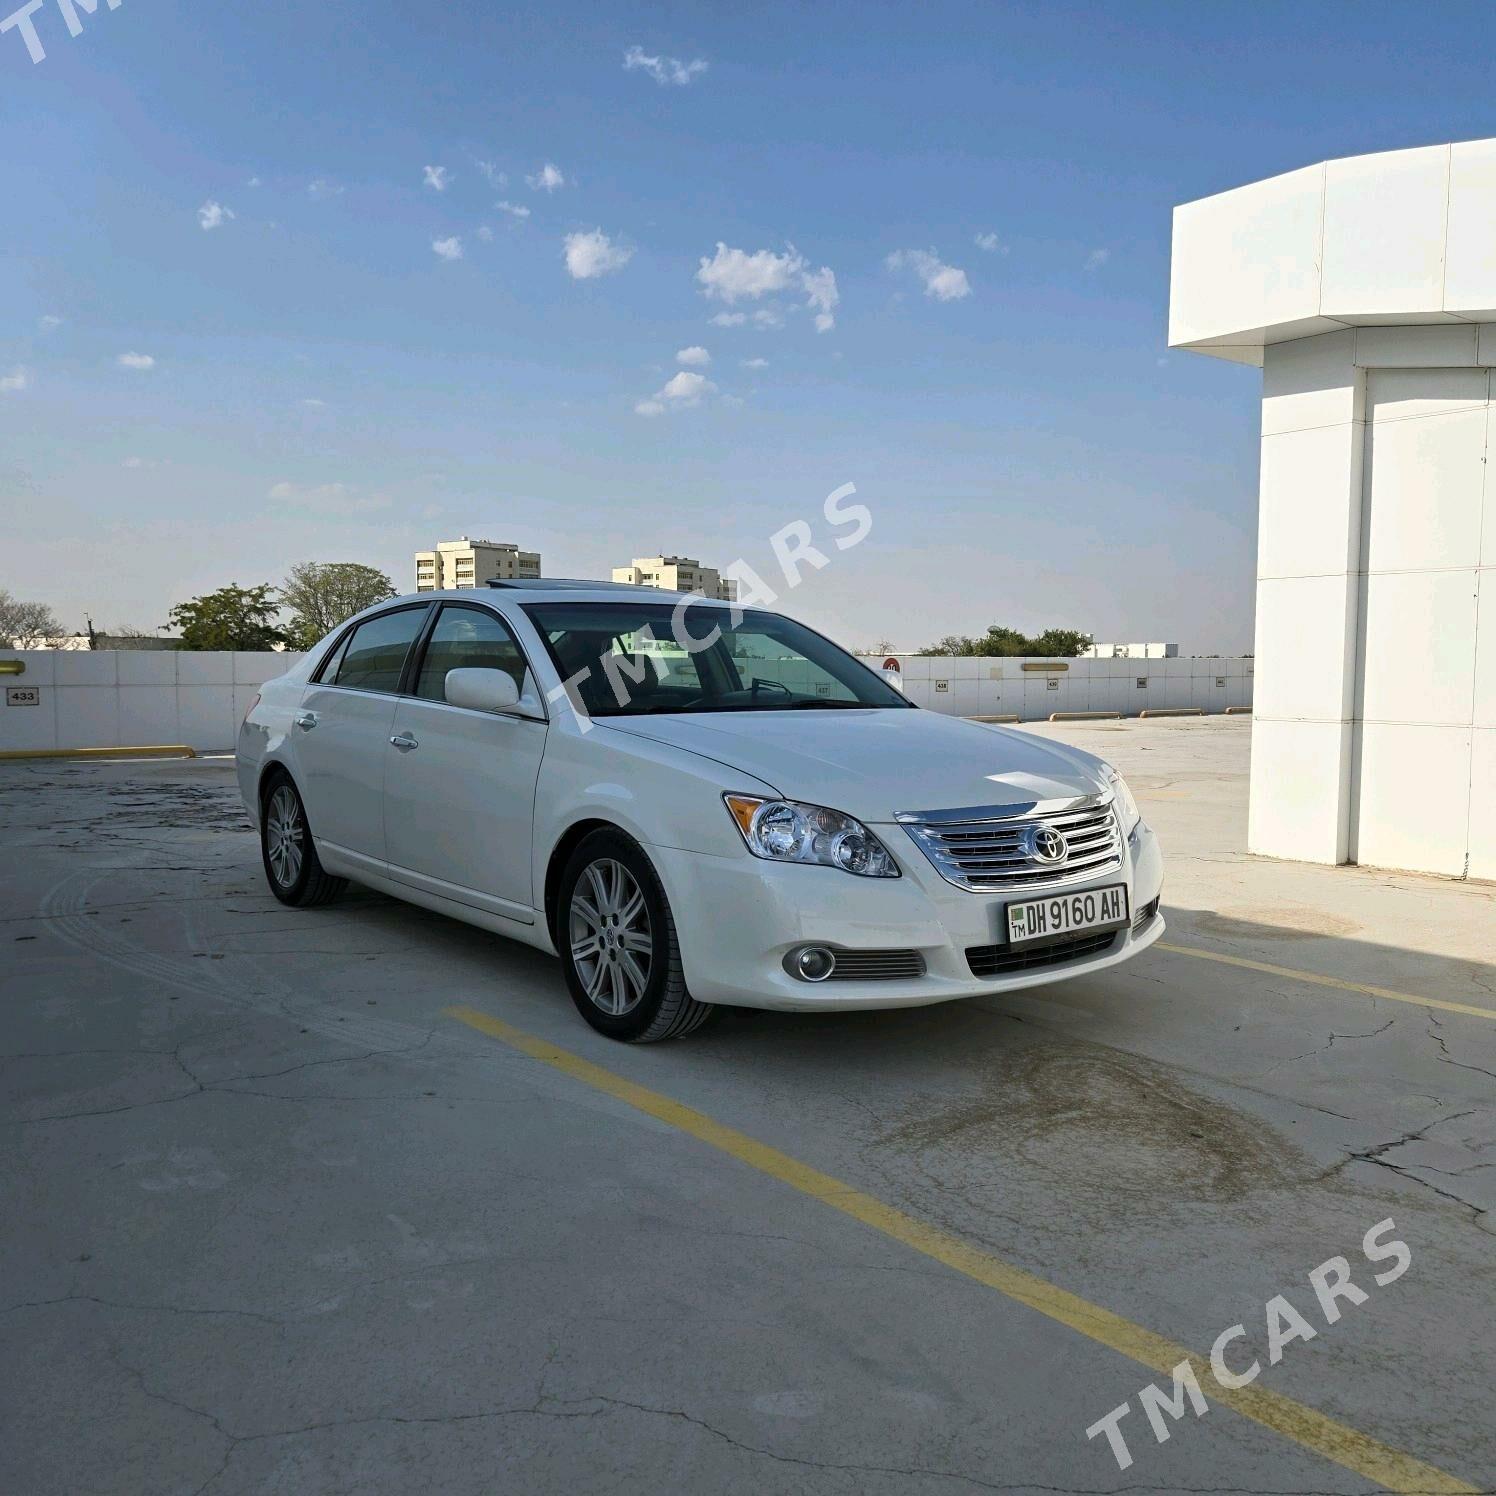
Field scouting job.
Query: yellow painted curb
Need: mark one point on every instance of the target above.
(1001, 717)
(157, 750)
(1173, 711)
(1085, 716)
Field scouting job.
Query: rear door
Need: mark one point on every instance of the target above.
(342, 734)
(459, 785)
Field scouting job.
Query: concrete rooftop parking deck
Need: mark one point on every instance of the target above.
(277, 1220)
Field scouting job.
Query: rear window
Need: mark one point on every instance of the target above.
(374, 658)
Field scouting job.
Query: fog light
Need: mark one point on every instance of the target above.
(811, 963)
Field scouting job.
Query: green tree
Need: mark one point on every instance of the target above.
(232, 618)
(321, 595)
(1056, 643)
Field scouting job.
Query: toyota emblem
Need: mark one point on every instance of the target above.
(1045, 844)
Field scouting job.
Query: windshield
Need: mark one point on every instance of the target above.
(625, 659)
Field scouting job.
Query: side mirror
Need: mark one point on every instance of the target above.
(482, 690)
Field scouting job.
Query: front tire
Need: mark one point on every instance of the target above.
(292, 868)
(618, 946)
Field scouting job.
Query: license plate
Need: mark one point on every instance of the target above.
(1066, 914)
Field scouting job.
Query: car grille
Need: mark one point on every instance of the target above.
(985, 851)
(1001, 960)
(876, 966)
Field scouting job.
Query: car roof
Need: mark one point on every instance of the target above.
(543, 590)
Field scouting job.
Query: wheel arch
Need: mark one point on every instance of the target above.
(566, 844)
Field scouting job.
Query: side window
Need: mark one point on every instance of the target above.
(375, 654)
(466, 638)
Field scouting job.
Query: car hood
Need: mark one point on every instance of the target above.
(874, 764)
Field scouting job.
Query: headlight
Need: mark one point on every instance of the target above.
(1127, 808)
(787, 831)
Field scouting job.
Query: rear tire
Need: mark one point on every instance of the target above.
(292, 868)
(618, 947)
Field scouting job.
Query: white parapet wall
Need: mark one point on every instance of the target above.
(971, 685)
(128, 698)
(135, 698)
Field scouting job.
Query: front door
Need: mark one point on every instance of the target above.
(459, 785)
(342, 731)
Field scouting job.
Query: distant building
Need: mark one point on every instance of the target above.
(677, 574)
(471, 563)
(1131, 652)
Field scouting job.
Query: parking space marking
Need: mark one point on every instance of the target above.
(1345, 1446)
(1318, 980)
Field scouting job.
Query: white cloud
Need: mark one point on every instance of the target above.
(448, 249)
(943, 282)
(48, 322)
(213, 215)
(679, 392)
(991, 243)
(767, 318)
(696, 356)
(733, 275)
(485, 233)
(312, 403)
(755, 363)
(822, 295)
(547, 179)
(14, 382)
(492, 174)
(593, 254)
(136, 361)
(133, 462)
(729, 319)
(1097, 258)
(664, 70)
(253, 182)
(436, 177)
(514, 210)
(323, 188)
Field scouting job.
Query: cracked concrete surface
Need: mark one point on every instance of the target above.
(274, 1224)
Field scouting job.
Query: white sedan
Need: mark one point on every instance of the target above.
(689, 803)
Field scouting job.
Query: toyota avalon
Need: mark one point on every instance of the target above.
(690, 803)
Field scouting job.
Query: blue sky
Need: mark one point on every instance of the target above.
(325, 384)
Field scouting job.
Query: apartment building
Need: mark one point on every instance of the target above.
(471, 563)
(677, 574)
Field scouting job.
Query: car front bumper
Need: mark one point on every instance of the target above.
(736, 918)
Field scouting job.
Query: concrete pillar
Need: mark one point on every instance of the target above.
(1308, 553)
(1366, 290)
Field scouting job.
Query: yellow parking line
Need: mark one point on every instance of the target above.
(1358, 1452)
(1314, 977)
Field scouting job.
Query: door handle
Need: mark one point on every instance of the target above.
(306, 721)
(404, 742)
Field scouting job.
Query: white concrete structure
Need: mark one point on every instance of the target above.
(1366, 290)
(676, 574)
(471, 563)
(106, 698)
(973, 685)
(1156, 651)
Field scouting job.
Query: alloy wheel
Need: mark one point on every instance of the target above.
(612, 943)
(284, 831)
